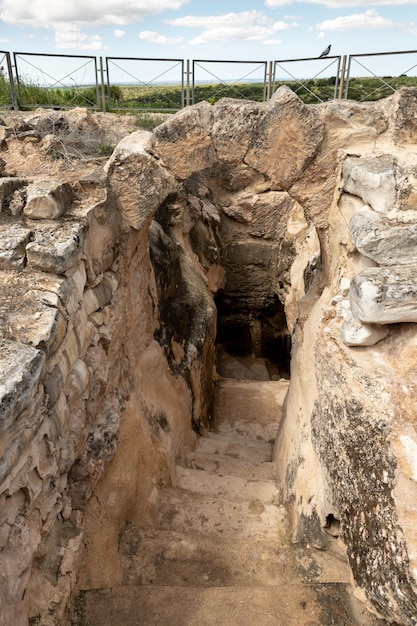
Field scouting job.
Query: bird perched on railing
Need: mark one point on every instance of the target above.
(325, 52)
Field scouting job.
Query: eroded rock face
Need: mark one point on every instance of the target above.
(348, 412)
(298, 221)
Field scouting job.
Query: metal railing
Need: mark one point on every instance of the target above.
(144, 90)
(383, 85)
(135, 83)
(307, 85)
(76, 72)
(231, 87)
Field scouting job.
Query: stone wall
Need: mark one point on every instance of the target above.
(95, 409)
(346, 446)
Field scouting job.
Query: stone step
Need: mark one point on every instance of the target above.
(236, 447)
(248, 430)
(250, 406)
(148, 556)
(183, 511)
(230, 466)
(293, 605)
(228, 487)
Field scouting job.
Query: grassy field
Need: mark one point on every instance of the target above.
(171, 98)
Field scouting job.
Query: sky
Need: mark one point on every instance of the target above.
(241, 30)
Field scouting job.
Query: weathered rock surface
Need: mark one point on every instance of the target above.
(138, 180)
(384, 295)
(355, 333)
(384, 242)
(47, 199)
(373, 179)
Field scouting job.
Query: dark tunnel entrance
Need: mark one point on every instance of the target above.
(261, 334)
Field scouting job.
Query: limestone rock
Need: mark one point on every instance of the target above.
(355, 123)
(20, 370)
(31, 316)
(314, 190)
(354, 333)
(373, 180)
(184, 141)
(138, 179)
(383, 242)
(384, 295)
(13, 241)
(98, 296)
(8, 185)
(404, 117)
(286, 139)
(356, 406)
(56, 248)
(47, 199)
(234, 125)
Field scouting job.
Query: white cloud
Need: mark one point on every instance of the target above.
(283, 26)
(119, 33)
(70, 38)
(244, 18)
(152, 37)
(369, 19)
(341, 4)
(272, 42)
(40, 13)
(246, 25)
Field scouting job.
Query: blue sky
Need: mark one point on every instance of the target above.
(216, 29)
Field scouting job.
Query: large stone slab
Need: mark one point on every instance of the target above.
(56, 247)
(381, 295)
(404, 118)
(184, 141)
(13, 240)
(286, 139)
(354, 333)
(47, 199)
(381, 241)
(20, 370)
(233, 128)
(373, 180)
(138, 178)
(29, 315)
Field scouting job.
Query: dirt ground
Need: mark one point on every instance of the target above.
(51, 142)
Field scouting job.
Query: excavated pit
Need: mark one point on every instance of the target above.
(126, 298)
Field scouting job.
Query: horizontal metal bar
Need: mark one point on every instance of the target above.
(142, 59)
(68, 56)
(338, 56)
(226, 61)
(379, 54)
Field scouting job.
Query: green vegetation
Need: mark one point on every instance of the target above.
(149, 121)
(171, 97)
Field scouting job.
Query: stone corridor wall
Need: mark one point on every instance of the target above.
(94, 408)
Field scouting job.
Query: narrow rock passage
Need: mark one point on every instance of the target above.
(219, 553)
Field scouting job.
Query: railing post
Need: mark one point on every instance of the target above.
(15, 104)
(342, 78)
(187, 83)
(103, 91)
(269, 83)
